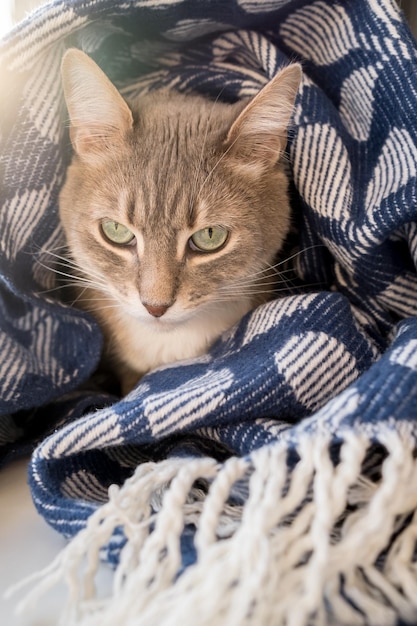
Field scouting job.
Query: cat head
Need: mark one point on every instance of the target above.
(173, 203)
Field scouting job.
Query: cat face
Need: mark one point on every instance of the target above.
(174, 205)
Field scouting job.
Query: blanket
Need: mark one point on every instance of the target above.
(274, 480)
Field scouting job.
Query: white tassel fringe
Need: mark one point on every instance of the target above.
(302, 549)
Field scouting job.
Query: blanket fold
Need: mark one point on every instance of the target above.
(271, 481)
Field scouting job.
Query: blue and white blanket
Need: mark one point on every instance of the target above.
(277, 474)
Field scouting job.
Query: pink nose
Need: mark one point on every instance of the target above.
(156, 311)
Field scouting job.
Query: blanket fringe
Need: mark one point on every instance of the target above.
(320, 544)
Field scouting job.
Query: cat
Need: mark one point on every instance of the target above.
(173, 208)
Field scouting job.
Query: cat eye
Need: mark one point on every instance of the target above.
(117, 233)
(209, 239)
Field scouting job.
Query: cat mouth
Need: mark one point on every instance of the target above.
(160, 322)
(168, 321)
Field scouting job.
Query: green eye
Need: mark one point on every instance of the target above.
(116, 233)
(209, 239)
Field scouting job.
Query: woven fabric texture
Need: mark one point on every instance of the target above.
(336, 353)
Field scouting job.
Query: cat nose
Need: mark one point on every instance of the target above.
(156, 311)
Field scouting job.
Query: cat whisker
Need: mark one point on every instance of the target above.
(232, 299)
(55, 255)
(57, 288)
(274, 268)
(67, 262)
(70, 265)
(258, 275)
(85, 297)
(248, 291)
(52, 252)
(78, 280)
(79, 274)
(79, 297)
(122, 175)
(219, 160)
(299, 253)
(245, 292)
(38, 248)
(264, 276)
(194, 186)
(97, 309)
(249, 285)
(235, 294)
(42, 250)
(225, 153)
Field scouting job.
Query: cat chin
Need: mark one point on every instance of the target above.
(143, 347)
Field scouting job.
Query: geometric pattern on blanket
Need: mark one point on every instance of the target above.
(334, 353)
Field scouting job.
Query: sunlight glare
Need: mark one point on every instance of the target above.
(5, 16)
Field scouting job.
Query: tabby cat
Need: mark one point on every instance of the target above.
(174, 208)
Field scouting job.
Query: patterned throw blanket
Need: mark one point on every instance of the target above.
(274, 480)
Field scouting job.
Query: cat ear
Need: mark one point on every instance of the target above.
(259, 135)
(98, 114)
